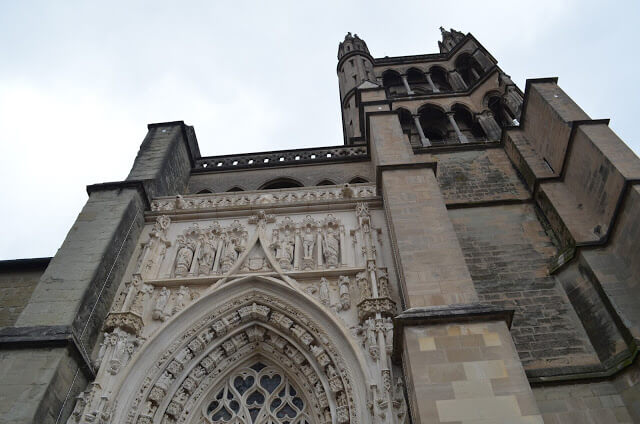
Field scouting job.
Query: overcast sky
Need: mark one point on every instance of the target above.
(79, 81)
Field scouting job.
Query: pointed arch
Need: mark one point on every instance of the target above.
(178, 367)
(358, 180)
(283, 182)
(326, 182)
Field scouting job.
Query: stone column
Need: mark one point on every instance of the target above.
(489, 125)
(458, 357)
(319, 244)
(423, 138)
(461, 137)
(456, 81)
(297, 250)
(406, 85)
(216, 262)
(431, 84)
(343, 247)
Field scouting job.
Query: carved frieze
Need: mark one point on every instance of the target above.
(230, 200)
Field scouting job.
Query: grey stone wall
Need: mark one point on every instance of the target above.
(508, 253)
(16, 286)
(478, 176)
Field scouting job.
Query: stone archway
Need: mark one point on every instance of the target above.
(171, 377)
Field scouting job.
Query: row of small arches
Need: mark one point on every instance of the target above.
(280, 183)
(465, 65)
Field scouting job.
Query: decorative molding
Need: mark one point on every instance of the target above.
(264, 198)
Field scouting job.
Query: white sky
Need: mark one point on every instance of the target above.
(79, 81)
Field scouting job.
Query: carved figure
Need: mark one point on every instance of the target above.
(229, 253)
(161, 304)
(331, 247)
(308, 242)
(182, 299)
(383, 283)
(206, 255)
(324, 291)
(184, 256)
(284, 249)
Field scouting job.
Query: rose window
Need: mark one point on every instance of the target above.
(258, 394)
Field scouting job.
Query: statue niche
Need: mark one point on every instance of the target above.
(209, 242)
(234, 240)
(187, 244)
(284, 243)
(332, 240)
(309, 235)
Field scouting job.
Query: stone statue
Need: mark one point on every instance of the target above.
(324, 292)
(184, 257)
(331, 247)
(308, 242)
(161, 304)
(229, 253)
(182, 298)
(284, 249)
(383, 283)
(206, 255)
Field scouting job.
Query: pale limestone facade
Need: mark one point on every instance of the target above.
(468, 256)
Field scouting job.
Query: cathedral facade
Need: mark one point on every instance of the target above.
(469, 254)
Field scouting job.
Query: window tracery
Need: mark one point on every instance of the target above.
(258, 394)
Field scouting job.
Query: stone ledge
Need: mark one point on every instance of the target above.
(43, 336)
(445, 314)
(139, 185)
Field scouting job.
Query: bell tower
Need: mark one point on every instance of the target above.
(355, 66)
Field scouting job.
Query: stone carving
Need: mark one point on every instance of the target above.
(234, 241)
(344, 292)
(208, 247)
(161, 304)
(116, 349)
(371, 341)
(155, 248)
(383, 283)
(184, 257)
(228, 200)
(362, 281)
(309, 229)
(331, 241)
(183, 297)
(290, 352)
(284, 243)
(324, 292)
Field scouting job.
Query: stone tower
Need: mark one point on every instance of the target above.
(355, 69)
(469, 254)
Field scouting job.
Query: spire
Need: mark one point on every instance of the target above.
(352, 43)
(449, 39)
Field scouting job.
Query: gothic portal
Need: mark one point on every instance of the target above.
(469, 254)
